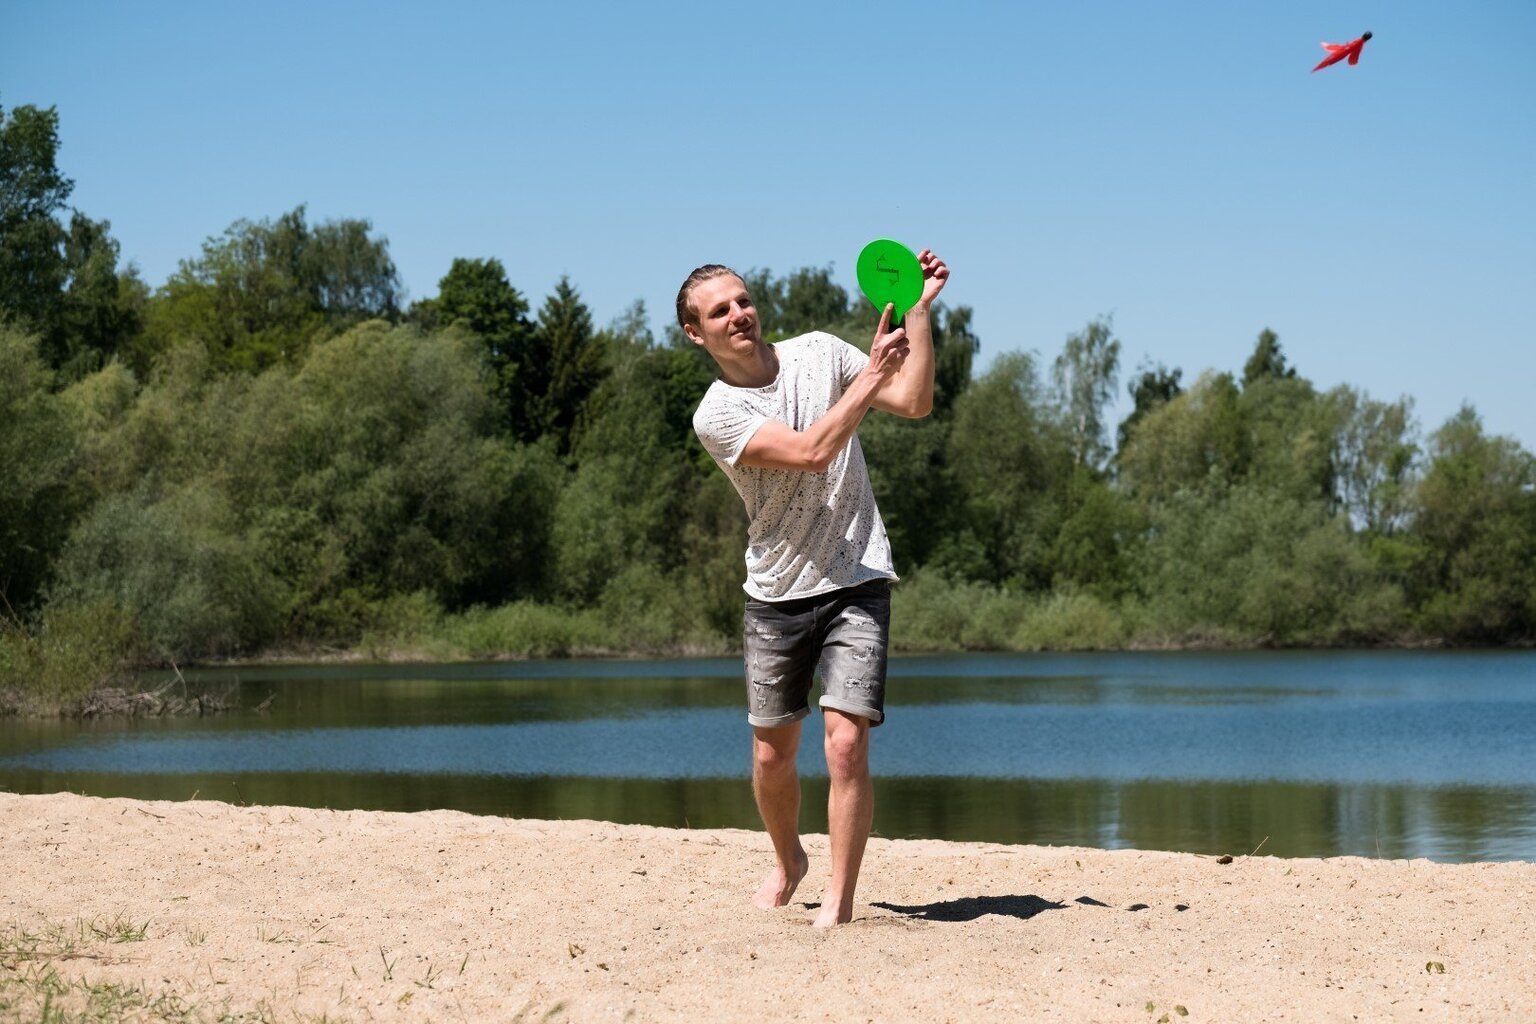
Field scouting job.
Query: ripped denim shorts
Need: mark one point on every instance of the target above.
(841, 635)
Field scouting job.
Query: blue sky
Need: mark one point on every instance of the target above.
(1173, 165)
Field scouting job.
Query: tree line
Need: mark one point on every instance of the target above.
(272, 449)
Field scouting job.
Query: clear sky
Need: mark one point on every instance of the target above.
(1174, 165)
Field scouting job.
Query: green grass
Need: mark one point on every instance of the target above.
(33, 988)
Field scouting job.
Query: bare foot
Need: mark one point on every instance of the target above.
(831, 916)
(780, 884)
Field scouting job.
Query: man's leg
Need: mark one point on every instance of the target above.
(850, 811)
(776, 785)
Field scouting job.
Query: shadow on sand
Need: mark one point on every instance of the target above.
(969, 908)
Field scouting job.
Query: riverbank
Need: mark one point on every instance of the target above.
(190, 911)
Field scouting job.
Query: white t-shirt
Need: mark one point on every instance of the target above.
(810, 533)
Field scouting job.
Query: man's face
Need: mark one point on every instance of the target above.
(727, 318)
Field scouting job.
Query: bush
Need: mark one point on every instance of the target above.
(1070, 622)
(191, 585)
(75, 648)
(930, 612)
(525, 629)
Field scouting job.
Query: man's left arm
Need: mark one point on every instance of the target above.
(909, 391)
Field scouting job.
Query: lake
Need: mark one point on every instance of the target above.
(1380, 753)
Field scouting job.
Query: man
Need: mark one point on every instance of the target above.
(780, 422)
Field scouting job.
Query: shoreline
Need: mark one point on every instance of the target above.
(369, 915)
(125, 702)
(409, 655)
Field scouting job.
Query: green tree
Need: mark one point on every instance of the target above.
(1267, 361)
(265, 291)
(1242, 564)
(1090, 545)
(100, 310)
(572, 364)
(810, 300)
(1291, 438)
(1376, 451)
(1085, 376)
(1474, 528)
(1190, 442)
(1153, 386)
(954, 351)
(476, 296)
(60, 282)
(645, 521)
(32, 193)
(917, 492)
(1008, 454)
(39, 450)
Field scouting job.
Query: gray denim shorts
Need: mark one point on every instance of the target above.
(842, 635)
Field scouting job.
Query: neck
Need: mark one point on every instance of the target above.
(756, 369)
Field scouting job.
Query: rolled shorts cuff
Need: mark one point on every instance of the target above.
(773, 723)
(875, 715)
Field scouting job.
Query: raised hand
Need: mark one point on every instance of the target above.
(935, 274)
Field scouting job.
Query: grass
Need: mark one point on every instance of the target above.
(32, 988)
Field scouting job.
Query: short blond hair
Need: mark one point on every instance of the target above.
(686, 314)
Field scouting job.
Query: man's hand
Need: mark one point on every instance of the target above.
(889, 349)
(935, 274)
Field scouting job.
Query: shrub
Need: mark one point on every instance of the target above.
(74, 649)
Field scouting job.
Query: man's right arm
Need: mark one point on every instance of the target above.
(777, 445)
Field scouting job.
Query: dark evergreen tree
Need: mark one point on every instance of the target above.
(572, 364)
(1267, 360)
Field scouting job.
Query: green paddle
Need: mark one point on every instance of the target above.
(889, 272)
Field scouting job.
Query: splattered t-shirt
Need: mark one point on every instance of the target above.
(810, 533)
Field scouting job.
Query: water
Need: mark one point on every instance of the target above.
(1395, 754)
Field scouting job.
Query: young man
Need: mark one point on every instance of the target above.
(780, 422)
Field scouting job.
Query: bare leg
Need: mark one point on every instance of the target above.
(776, 785)
(850, 811)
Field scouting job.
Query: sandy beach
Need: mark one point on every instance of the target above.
(275, 913)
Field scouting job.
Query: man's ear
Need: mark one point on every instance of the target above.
(693, 335)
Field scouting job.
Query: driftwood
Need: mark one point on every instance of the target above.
(135, 704)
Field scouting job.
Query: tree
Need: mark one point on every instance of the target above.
(61, 283)
(572, 364)
(265, 291)
(1193, 441)
(476, 296)
(39, 450)
(1474, 525)
(32, 192)
(1267, 360)
(1290, 438)
(1153, 387)
(1085, 377)
(101, 308)
(1241, 563)
(1375, 452)
(347, 275)
(1007, 454)
(810, 301)
(954, 350)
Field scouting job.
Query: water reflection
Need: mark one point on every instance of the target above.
(1393, 754)
(1277, 819)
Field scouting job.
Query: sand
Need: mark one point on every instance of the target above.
(301, 914)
